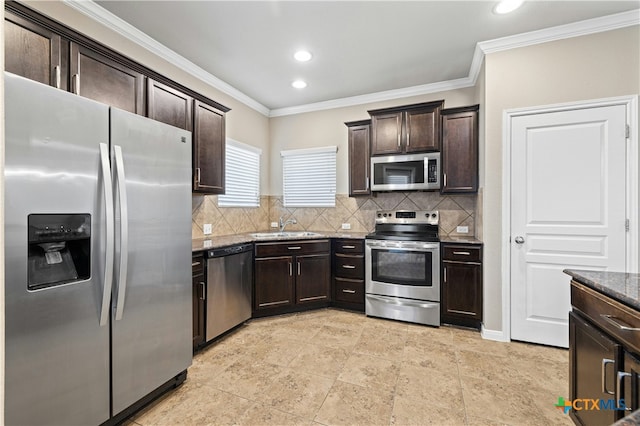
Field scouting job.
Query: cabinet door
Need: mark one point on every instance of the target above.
(629, 383)
(97, 77)
(198, 311)
(274, 282)
(313, 279)
(208, 149)
(34, 52)
(593, 362)
(460, 151)
(422, 130)
(462, 290)
(359, 159)
(386, 130)
(169, 105)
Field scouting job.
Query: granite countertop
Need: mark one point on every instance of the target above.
(200, 244)
(621, 286)
(460, 239)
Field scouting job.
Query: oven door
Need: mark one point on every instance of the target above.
(403, 269)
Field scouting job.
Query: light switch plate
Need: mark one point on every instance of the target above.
(274, 224)
(346, 226)
(206, 229)
(462, 229)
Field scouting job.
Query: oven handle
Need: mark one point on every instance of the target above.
(392, 301)
(406, 246)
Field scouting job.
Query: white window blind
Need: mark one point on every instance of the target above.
(309, 177)
(242, 176)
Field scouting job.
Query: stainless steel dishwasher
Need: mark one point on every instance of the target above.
(229, 279)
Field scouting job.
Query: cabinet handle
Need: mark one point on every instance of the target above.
(195, 263)
(344, 290)
(348, 247)
(76, 84)
(444, 178)
(465, 253)
(348, 266)
(306, 299)
(298, 268)
(605, 361)
(610, 320)
(620, 378)
(294, 248)
(57, 71)
(445, 274)
(367, 183)
(399, 139)
(197, 174)
(204, 289)
(290, 269)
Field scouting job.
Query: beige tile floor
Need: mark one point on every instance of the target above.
(333, 367)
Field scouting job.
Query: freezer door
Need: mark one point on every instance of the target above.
(57, 354)
(151, 318)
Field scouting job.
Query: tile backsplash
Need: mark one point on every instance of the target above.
(359, 212)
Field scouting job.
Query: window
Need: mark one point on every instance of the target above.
(242, 176)
(309, 177)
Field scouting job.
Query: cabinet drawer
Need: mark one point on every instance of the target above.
(348, 246)
(348, 290)
(462, 253)
(292, 248)
(349, 266)
(620, 321)
(197, 264)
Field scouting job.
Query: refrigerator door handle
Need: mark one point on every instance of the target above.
(124, 232)
(109, 222)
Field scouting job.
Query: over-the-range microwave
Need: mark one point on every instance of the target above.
(406, 172)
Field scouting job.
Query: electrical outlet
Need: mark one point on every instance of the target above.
(208, 243)
(346, 226)
(206, 229)
(274, 224)
(462, 229)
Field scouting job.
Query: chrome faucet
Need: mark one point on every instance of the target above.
(285, 223)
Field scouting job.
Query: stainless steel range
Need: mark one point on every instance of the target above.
(403, 267)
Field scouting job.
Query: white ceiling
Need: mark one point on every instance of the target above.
(359, 47)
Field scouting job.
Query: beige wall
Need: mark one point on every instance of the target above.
(324, 128)
(582, 68)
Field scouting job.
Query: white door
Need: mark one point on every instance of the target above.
(568, 176)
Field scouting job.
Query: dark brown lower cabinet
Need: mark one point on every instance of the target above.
(594, 360)
(199, 298)
(604, 356)
(462, 284)
(291, 276)
(348, 274)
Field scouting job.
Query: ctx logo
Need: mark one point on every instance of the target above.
(581, 404)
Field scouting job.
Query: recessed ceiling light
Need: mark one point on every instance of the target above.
(299, 84)
(506, 6)
(302, 56)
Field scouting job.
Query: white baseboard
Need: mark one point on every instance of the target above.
(496, 335)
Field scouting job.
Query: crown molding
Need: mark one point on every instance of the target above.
(576, 29)
(128, 31)
(375, 97)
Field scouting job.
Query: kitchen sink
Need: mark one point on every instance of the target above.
(266, 235)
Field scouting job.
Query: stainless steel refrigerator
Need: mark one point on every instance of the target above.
(98, 251)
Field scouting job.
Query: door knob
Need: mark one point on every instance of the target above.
(519, 240)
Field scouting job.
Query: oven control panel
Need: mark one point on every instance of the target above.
(408, 216)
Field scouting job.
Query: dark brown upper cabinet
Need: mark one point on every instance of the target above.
(460, 150)
(97, 77)
(406, 129)
(359, 164)
(35, 52)
(169, 105)
(208, 149)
